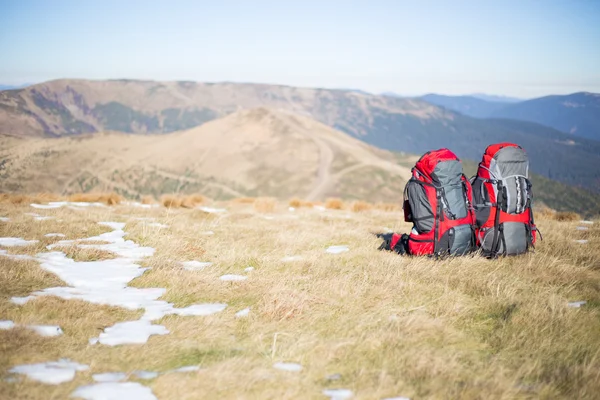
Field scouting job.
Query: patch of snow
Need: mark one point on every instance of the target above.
(11, 379)
(93, 341)
(32, 214)
(130, 332)
(4, 253)
(248, 269)
(582, 228)
(45, 206)
(200, 310)
(140, 205)
(291, 209)
(581, 241)
(269, 217)
(211, 210)
(105, 282)
(577, 304)
(12, 241)
(21, 300)
(158, 225)
(110, 377)
(146, 375)
(290, 367)
(51, 373)
(189, 368)
(46, 330)
(6, 324)
(291, 258)
(337, 249)
(586, 222)
(4, 219)
(54, 235)
(195, 265)
(338, 394)
(43, 218)
(114, 391)
(207, 233)
(319, 208)
(243, 313)
(334, 377)
(233, 278)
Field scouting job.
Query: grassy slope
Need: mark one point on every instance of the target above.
(457, 328)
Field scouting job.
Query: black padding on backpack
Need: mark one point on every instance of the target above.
(481, 201)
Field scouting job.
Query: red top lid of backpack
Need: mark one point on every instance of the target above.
(430, 160)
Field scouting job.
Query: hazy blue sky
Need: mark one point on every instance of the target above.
(520, 48)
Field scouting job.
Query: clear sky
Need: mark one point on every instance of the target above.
(522, 48)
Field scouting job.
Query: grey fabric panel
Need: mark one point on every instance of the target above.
(462, 240)
(515, 236)
(448, 174)
(511, 161)
(422, 212)
(488, 237)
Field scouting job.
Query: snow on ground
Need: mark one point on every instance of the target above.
(233, 278)
(6, 324)
(110, 377)
(140, 205)
(337, 249)
(4, 219)
(248, 269)
(207, 233)
(582, 228)
(291, 258)
(211, 210)
(46, 330)
(338, 394)
(290, 367)
(577, 304)
(114, 390)
(52, 373)
(145, 375)
(59, 204)
(243, 313)
(12, 241)
(188, 368)
(158, 225)
(195, 265)
(105, 282)
(586, 222)
(581, 241)
(55, 235)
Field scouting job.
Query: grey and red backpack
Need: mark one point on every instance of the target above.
(454, 216)
(502, 194)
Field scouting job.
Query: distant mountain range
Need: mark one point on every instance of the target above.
(577, 114)
(409, 125)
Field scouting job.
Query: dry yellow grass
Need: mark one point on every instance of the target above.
(388, 207)
(244, 200)
(360, 206)
(467, 328)
(299, 203)
(567, 216)
(265, 204)
(171, 201)
(148, 200)
(106, 198)
(334, 204)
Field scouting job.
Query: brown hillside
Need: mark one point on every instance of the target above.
(248, 153)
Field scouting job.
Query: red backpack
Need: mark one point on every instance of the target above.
(438, 201)
(502, 193)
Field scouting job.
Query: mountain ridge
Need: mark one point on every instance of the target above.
(71, 107)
